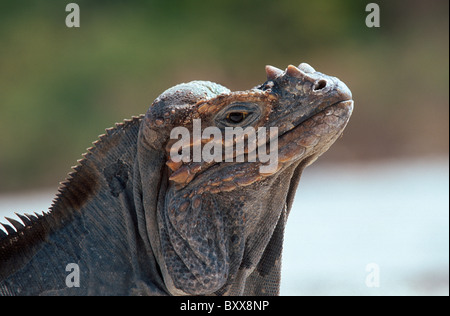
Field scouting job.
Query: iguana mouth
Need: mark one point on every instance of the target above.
(312, 132)
(289, 125)
(301, 120)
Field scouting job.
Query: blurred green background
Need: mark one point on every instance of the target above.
(61, 87)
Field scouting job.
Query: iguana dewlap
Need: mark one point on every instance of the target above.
(137, 221)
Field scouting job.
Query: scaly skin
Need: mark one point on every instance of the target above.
(159, 226)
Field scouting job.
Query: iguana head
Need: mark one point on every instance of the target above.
(220, 210)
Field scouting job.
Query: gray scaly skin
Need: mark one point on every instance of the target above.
(138, 223)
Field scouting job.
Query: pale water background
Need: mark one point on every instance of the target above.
(393, 214)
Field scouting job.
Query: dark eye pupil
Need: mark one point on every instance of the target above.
(236, 117)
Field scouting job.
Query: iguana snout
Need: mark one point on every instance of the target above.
(301, 92)
(310, 110)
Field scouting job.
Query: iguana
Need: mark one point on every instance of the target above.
(135, 221)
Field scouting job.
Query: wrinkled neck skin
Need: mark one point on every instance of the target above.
(210, 244)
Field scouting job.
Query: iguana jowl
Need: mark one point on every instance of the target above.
(138, 223)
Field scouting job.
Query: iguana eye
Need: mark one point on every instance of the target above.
(236, 117)
(240, 114)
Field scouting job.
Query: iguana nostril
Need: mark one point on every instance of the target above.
(319, 85)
